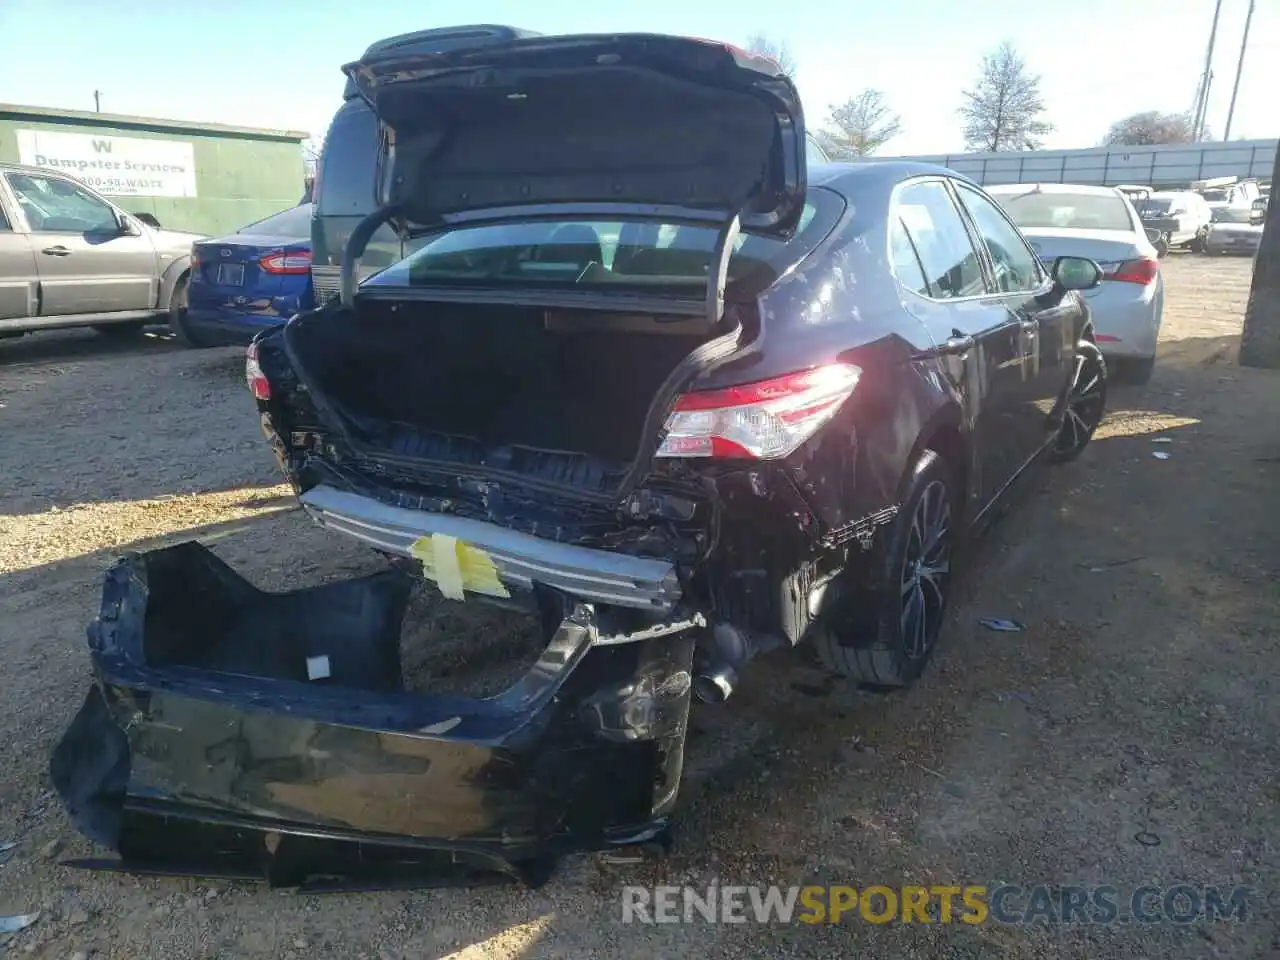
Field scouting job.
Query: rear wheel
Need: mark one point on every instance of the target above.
(1162, 247)
(1197, 244)
(178, 317)
(129, 329)
(1086, 403)
(890, 646)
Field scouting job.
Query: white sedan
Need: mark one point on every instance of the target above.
(1063, 219)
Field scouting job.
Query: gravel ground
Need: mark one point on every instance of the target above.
(1139, 700)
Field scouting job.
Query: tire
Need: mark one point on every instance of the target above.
(120, 330)
(178, 317)
(879, 644)
(1162, 247)
(1197, 245)
(1135, 372)
(1086, 404)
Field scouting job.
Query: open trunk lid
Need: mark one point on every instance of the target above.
(607, 122)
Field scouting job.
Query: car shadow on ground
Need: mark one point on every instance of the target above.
(80, 343)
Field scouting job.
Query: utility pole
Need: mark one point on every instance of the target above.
(1260, 339)
(97, 101)
(1244, 44)
(1202, 107)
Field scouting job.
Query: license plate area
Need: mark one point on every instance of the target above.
(231, 274)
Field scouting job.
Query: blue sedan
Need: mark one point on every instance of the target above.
(255, 278)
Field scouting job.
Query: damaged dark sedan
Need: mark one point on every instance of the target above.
(649, 386)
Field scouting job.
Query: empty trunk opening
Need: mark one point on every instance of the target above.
(394, 636)
(503, 376)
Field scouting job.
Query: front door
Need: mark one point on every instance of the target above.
(85, 262)
(1026, 292)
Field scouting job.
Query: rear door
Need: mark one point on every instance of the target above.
(979, 341)
(85, 263)
(1021, 285)
(17, 272)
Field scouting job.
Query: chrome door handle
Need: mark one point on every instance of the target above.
(58, 251)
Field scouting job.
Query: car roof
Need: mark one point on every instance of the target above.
(1073, 188)
(872, 174)
(27, 168)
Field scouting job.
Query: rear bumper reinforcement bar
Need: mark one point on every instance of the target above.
(597, 576)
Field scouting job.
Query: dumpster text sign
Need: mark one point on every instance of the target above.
(115, 166)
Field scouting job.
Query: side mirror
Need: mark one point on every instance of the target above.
(1153, 235)
(148, 219)
(126, 227)
(1076, 273)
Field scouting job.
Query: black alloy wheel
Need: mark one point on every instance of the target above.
(1086, 403)
(883, 637)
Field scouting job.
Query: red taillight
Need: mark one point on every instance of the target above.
(259, 386)
(294, 261)
(1143, 271)
(762, 420)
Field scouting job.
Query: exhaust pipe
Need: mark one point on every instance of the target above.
(728, 650)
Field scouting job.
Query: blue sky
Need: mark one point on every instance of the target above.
(275, 62)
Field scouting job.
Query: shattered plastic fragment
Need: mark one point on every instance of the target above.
(1003, 626)
(19, 922)
(1160, 455)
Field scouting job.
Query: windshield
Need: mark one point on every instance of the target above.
(1077, 211)
(294, 222)
(592, 252)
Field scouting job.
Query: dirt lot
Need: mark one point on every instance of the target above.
(1141, 699)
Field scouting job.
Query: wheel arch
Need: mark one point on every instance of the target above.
(946, 433)
(173, 274)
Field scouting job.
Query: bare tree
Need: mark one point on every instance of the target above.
(1260, 340)
(860, 126)
(1002, 111)
(1151, 126)
(775, 50)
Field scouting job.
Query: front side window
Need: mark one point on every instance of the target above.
(929, 218)
(1016, 268)
(54, 205)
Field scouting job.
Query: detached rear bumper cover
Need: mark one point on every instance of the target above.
(204, 748)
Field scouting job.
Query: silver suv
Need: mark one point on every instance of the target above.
(70, 258)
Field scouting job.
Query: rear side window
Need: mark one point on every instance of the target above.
(1075, 211)
(906, 263)
(1015, 267)
(933, 224)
